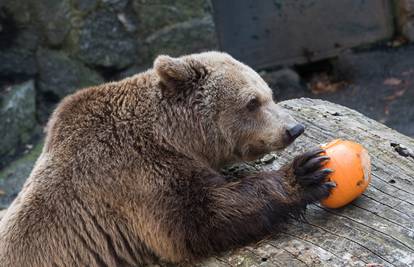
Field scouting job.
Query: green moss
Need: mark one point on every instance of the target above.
(21, 168)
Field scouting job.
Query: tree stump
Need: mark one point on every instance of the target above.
(375, 230)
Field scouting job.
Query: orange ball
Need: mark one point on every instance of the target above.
(352, 172)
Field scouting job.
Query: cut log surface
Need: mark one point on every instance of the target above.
(377, 229)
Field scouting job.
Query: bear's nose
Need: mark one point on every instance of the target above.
(295, 131)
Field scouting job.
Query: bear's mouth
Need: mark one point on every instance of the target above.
(287, 141)
(253, 152)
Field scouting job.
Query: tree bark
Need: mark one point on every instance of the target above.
(377, 228)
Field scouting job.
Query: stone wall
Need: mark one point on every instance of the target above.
(50, 48)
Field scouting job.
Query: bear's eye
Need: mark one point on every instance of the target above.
(253, 104)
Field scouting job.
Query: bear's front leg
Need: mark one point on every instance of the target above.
(308, 178)
(212, 214)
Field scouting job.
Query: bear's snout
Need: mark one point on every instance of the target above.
(295, 132)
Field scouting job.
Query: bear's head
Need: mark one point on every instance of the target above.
(218, 109)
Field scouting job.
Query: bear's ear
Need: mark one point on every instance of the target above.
(176, 71)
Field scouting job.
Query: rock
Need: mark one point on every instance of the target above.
(54, 17)
(85, 5)
(8, 28)
(13, 177)
(20, 9)
(285, 76)
(131, 71)
(192, 36)
(269, 158)
(104, 41)
(18, 42)
(17, 61)
(155, 15)
(129, 20)
(60, 75)
(18, 57)
(116, 5)
(286, 81)
(17, 116)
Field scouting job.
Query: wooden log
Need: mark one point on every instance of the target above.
(377, 228)
(2, 212)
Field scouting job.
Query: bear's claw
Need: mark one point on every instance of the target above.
(312, 165)
(311, 176)
(314, 178)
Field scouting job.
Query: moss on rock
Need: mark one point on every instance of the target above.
(15, 174)
(17, 116)
(61, 75)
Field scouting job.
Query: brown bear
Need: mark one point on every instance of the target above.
(129, 174)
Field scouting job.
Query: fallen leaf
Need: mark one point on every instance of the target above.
(396, 95)
(392, 81)
(322, 83)
(386, 110)
(398, 41)
(408, 72)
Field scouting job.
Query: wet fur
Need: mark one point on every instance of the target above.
(129, 176)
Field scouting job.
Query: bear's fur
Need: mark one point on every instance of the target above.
(129, 173)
